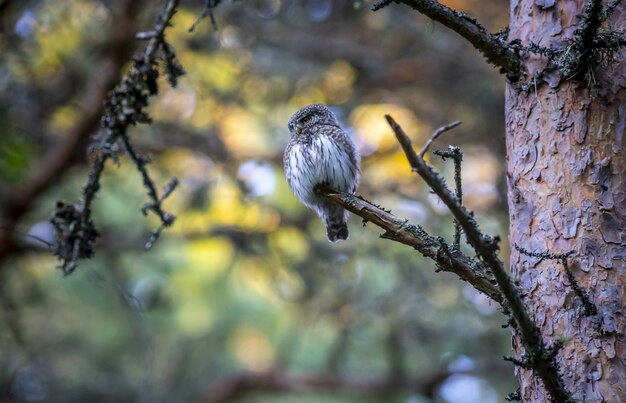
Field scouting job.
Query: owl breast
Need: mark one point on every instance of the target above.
(320, 160)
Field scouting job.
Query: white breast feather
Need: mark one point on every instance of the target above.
(325, 162)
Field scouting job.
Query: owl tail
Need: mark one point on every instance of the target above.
(337, 225)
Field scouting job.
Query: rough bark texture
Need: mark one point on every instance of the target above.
(567, 192)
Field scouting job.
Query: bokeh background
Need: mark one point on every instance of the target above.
(245, 284)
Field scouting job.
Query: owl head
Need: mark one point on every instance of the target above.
(316, 114)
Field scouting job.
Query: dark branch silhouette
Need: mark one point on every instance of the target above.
(125, 107)
(486, 247)
(494, 47)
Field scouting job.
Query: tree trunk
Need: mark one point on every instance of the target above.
(566, 157)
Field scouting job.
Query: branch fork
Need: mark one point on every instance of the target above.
(487, 275)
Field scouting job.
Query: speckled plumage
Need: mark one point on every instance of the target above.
(320, 152)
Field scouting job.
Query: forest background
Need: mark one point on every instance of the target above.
(243, 294)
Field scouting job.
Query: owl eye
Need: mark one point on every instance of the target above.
(306, 120)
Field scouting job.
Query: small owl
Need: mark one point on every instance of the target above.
(320, 152)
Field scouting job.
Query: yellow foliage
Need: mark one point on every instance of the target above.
(205, 112)
(252, 274)
(338, 82)
(210, 255)
(189, 286)
(394, 167)
(213, 71)
(306, 93)
(190, 222)
(227, 208)
(184, 162)
(291, 243)
(252, 348)
(182, 21)
(67, 25)
(63, 118)
(244, 134)
(372, 128)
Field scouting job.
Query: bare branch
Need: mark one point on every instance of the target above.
(436, 134)
(486, 247)
(207, 11)
(447, 258)
(125, 107)
(495, 49)
(589, 307)
(457, 156)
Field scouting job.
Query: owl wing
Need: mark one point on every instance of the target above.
(355, 160)
(287, 165)
(343, 140)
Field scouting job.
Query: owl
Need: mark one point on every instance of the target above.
(320, 152)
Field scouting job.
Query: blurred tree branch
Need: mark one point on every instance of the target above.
(63, 156)
(238, 385)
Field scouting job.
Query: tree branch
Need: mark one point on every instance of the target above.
(447, 258)
(436, 134)
(64, 155)
(495, 49)
(457, 156)
(238, 385)
(486, 247)
(588, 305)
(125, 107)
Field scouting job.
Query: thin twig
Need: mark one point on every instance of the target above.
(207, 11)
(589, 307)
(436, 134)
(380, 4)
(457, 156)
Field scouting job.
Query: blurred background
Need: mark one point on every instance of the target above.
(243, 298)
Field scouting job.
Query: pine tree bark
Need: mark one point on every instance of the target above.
(566, 166)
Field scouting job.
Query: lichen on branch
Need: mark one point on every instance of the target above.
(125, 106)
(447, 257)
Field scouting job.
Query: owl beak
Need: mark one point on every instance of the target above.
(298, 129)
